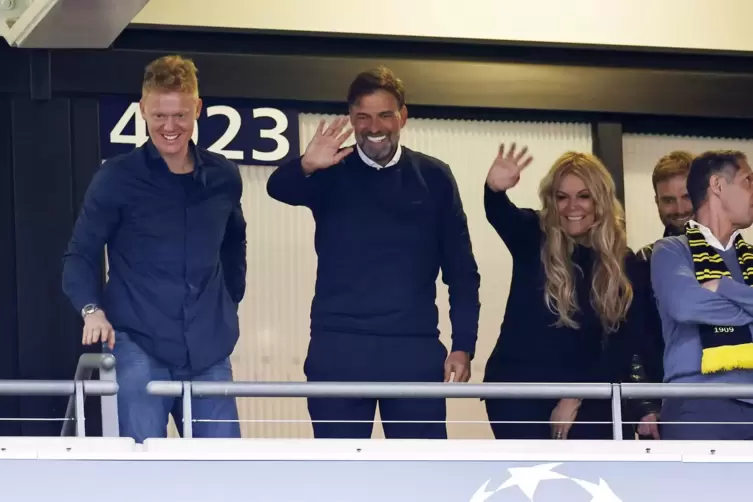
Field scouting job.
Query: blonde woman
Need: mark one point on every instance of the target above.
(568, 316)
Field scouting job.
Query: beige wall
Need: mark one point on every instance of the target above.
(694, 24)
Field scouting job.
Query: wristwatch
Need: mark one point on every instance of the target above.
(89, 309)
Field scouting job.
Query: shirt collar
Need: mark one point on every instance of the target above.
(369, 162)
(155, 159)
(711, 238)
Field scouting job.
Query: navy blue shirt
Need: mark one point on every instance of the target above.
(382, 236)
(176, 248)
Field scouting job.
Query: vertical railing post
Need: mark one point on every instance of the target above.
(88, 362)
(187, 415)
(109, 404)
(617, 411)
(79, 394)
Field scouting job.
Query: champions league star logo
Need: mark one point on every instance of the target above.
(526, 479)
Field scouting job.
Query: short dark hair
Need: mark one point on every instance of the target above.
(707, 165)
(676, 163)
(370, 81)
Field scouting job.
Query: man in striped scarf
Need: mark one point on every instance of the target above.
(702, 281)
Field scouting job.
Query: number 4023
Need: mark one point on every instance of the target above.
(140, 135)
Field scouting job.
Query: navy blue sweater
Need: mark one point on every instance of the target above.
(382, 236)
(177, 254)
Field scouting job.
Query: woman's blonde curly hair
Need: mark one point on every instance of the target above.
(611, 291)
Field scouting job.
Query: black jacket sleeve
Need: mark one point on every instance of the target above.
(646, 362)
(518, 228)
(83, 261)
(651, 341)
(622, 345)
(459, 269)
(233, 254)
(290, 185)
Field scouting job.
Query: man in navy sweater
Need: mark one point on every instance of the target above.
(170, 215)
(387, 220)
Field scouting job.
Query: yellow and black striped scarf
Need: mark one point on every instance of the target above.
(725, 348)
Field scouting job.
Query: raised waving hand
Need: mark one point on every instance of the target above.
(505, 171)
(323, 150)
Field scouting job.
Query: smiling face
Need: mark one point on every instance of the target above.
(170, 118)
(575, 205)
(673, 202)
(377, 119)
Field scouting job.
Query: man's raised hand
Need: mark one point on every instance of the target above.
(324, 149)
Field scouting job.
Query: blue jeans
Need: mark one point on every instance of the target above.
(143, 416)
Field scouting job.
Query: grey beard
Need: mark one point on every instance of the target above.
(385, 157)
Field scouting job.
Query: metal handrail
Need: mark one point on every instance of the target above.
(77, 389)
(385, 390)
(616, 392)
(686, 390)
(87, 363)
(57, 388)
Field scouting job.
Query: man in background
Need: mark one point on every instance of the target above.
(702, 281)
(669, 179)
(170, 215)
(387, 220)
(675, 210)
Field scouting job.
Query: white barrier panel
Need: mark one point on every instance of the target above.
(76, 448)
(385, 470)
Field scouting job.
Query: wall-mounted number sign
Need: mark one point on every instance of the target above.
(245, 133)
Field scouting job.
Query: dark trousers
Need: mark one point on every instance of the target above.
(538, 413)
(706, 410)
(336, 357)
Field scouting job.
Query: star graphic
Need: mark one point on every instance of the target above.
(481, 494)
(528, 478)
(600, 492)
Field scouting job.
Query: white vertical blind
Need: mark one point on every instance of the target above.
(641, 152)
(274, 315)
(282, 263)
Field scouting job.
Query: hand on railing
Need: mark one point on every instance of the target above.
(97, 328)
(649, 426)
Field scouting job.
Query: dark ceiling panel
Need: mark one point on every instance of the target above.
(14, 68)
(451, 83)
